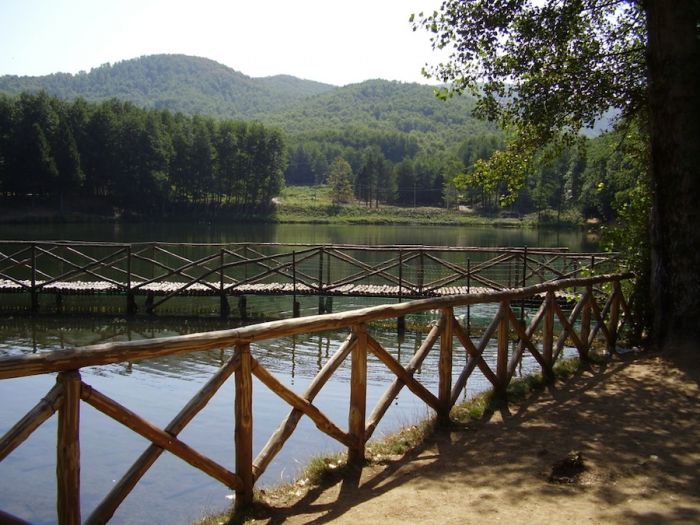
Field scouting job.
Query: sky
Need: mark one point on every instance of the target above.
(338, 42)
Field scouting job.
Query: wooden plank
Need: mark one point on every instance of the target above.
(600, 322)
(476, 352)
(304, 405)
(289, 424)
(68, 450)
(105, 510)
(525, 342)
(568, 329)
(25, 365)
(403, 375)
(161, 438)
(393, 390)
(32, 420)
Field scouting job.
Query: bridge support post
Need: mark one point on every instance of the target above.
(131, 307)
(130, 301)
(224, 308)
(401, 326)
(33, 293)
(150, 298)
(329, 305)
(321, 302)
(243, 308)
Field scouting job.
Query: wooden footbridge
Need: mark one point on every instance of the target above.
(159, 272)
(599, 312)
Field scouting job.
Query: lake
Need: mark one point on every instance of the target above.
(172, 491)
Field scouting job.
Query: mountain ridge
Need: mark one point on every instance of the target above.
(201, 86)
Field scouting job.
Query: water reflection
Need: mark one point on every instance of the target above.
(158, 388)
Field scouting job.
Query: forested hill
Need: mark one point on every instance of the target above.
(383, 105)
(191, 85)
(199, 86)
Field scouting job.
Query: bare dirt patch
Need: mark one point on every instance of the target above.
(635, 424)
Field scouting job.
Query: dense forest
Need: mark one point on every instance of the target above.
(144, 161)
(153, 134)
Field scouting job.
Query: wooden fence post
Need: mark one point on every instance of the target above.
(68, 450)
(445, 367)
(243, 432)
(358, 396)
(586, 320)
(548, 335)
(614, 316)
(503, 343)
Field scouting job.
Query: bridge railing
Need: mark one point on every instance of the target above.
(162, 271)
(593, 317)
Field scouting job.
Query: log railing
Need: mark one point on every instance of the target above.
(594, 316)
(161, 271)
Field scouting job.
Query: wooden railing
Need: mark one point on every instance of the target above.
(162, 271)
(593, 316)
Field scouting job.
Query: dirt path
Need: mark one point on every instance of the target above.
(636, 423)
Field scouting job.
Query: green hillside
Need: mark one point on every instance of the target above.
(383, 105)
(182, 83)
(199, 86)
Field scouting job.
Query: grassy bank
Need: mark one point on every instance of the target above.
(325, 471)
(296, 204)
(306, 204)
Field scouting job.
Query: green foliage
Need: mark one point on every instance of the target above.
(340, 181)
(626, 181)
(321, 122)
(137, 160)
(544, 71)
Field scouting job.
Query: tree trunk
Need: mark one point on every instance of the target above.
(674, 87)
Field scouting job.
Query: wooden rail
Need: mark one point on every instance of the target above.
(549, 330)
(160, 271)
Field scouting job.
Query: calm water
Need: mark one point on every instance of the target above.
(158, 389)
(304, 233)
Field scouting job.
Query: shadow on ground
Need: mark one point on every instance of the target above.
(635, 421)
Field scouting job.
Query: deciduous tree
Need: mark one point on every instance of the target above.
(545, 70)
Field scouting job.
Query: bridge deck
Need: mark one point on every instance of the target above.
(211, 289)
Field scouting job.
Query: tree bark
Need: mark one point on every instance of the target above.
(674, 87)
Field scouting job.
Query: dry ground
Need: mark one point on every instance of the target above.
(635, 421)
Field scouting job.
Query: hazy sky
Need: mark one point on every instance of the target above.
(334, 41)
